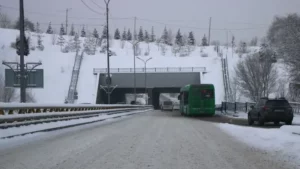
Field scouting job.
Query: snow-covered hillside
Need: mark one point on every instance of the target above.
(58, 66)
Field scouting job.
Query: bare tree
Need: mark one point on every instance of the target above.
(5, 21)
(30, 97)
(256, 75)
(283, 35)
(6, 94)
(9, 94)
(253, 41)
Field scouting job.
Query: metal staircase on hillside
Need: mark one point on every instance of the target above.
(72, 93)
(226, 81)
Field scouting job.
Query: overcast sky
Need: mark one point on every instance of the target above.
(244, 18)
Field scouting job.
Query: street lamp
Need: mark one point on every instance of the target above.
(134, 43)
(145, 67)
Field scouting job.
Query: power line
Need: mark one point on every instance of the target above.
(199, 28)
(142, 19)
(97, 5)
(91, 8)
(32, 12)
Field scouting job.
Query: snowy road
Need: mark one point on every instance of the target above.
(160, 140)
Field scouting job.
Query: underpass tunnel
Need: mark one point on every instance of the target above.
(119, 95)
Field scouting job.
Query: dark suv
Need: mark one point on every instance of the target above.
(271, 110)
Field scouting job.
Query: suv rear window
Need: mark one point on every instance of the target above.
(277, 103)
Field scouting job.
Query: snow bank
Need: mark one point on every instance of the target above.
(283, 140)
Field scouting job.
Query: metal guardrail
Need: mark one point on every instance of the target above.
(9, 109)
(245, 107)
(150, 70)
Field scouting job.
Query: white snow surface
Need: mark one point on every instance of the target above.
(241, 115)
(42, 126)
(285, 140)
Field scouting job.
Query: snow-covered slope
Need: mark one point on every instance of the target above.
(58, 66)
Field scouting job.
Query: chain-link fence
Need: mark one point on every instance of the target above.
(245, 107)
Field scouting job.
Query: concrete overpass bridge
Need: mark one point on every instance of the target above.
(153, 82)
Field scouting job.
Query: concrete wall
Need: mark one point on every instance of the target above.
(125, 80)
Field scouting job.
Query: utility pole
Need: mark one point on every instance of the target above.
(22, 47)
(134, 52)
(67, 16)
(209, 31)
(145, 75)
(108, 80)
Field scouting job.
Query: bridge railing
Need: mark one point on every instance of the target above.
(26, 108)
(151, 70)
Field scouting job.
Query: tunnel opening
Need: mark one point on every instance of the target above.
(125, 95)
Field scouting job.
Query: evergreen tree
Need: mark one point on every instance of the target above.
(191, 39)
(72, 31)
(164, 36)
(76, 42)
(152, 38)
(62, 30)
(204, 41)
(37, 28)
(179, 40)
(233, 41)
(83, 33)
(141, 35)
(146, 38)
(129, 35)
(104, 32)
(124, 36)
(95, 33)
(49, 29)
(40, 46)
(61, 40)
(117, 34)
(90, 43)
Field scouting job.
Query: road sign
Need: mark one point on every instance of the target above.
(34, 78)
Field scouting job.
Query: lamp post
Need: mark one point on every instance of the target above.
(134, 43)
(145, 67)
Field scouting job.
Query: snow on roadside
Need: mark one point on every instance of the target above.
(239, 115)
(36, 127)
(276, 141)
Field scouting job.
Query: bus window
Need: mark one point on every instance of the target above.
(207, 93)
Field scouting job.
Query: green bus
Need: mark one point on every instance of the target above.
(197, 99)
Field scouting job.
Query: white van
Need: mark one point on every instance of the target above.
(166, 105)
